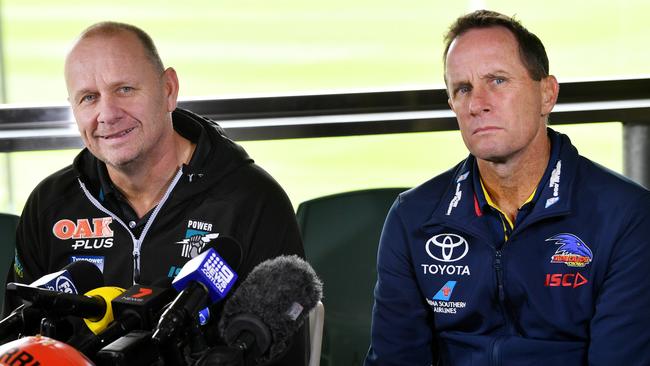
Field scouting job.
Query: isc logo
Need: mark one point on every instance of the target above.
(565, 280)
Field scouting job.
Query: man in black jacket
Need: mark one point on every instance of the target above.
(151, 181)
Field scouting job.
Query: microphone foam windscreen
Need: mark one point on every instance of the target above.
(281, 292)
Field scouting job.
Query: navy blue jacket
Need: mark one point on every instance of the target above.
(570, 285)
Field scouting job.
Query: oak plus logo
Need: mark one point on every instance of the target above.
(93, 233)
(447, 247)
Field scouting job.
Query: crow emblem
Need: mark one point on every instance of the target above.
(572, 251)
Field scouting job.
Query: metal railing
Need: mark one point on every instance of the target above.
(362, 113)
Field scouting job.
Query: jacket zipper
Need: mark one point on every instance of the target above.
(137, 243)
(496, 346)
(496, 351)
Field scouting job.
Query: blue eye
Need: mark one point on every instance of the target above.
(463, 89)
(126, 89)
(499, 81)
(88, 98)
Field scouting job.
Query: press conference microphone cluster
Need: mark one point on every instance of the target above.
(145, 319)
(161, 324)
(75, 278)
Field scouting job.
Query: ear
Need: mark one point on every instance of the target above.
(550, 90)
(170, 82)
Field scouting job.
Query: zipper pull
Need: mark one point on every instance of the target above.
(136, 267)
(498, 268)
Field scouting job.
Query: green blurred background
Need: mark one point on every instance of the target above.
(262, 47)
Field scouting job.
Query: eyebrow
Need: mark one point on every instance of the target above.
(496, 73)
(111, 86)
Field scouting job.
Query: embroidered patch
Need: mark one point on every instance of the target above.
(572, 251)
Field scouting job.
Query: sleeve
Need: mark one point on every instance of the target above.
(27, 265)
(620, 328)
(401, 332)
(269, 229)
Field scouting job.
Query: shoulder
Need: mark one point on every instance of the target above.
(55, 188)
(595, 180)
(418, 203)
(251, 187)
(431, 191)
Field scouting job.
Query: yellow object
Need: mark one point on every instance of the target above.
(107, 293)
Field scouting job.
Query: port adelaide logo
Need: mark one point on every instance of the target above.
(447, 249)
(197, 235)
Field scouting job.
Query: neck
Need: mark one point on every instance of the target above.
(144, 185)
(511, 183)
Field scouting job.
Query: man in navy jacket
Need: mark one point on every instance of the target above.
(526, 253)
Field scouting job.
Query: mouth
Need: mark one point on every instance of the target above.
(118, 134)
(486, 129)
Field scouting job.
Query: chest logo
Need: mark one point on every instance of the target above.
(445, 292)
(83, 228)
(447, 247)
(197, 236)
(85, 234)
(441, 303)
(572, 251)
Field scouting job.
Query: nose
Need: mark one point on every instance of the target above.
(108, 110)
(479, 101)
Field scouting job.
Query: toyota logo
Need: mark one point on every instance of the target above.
(447, 247)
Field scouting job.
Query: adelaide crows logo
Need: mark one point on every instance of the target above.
(572, 251)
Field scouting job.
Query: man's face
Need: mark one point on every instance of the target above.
(120, 101)
(500, 109)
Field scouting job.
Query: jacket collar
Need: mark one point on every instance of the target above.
(460, 207)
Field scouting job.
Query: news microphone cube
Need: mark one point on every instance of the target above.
(209, 269)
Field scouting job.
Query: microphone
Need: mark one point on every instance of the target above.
(60, 303)
(134, 309)
(107, 294)
(269, 307)
(76, 277)
(206, 276)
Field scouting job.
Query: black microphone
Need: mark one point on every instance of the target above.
(77, 277)
(269, 307)
(207, 276)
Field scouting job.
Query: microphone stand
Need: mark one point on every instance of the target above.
(222, 356)
(48, 327)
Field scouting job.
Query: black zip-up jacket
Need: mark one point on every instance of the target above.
(220, 191)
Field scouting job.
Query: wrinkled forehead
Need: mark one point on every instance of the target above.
(116, 44)
(482, 50)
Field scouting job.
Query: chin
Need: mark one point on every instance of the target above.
(119, 161)
(491, 156)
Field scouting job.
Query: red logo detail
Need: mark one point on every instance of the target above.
(477, 208)
(446, 290)
(83, 228)
(143, 291)
(565, 280)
